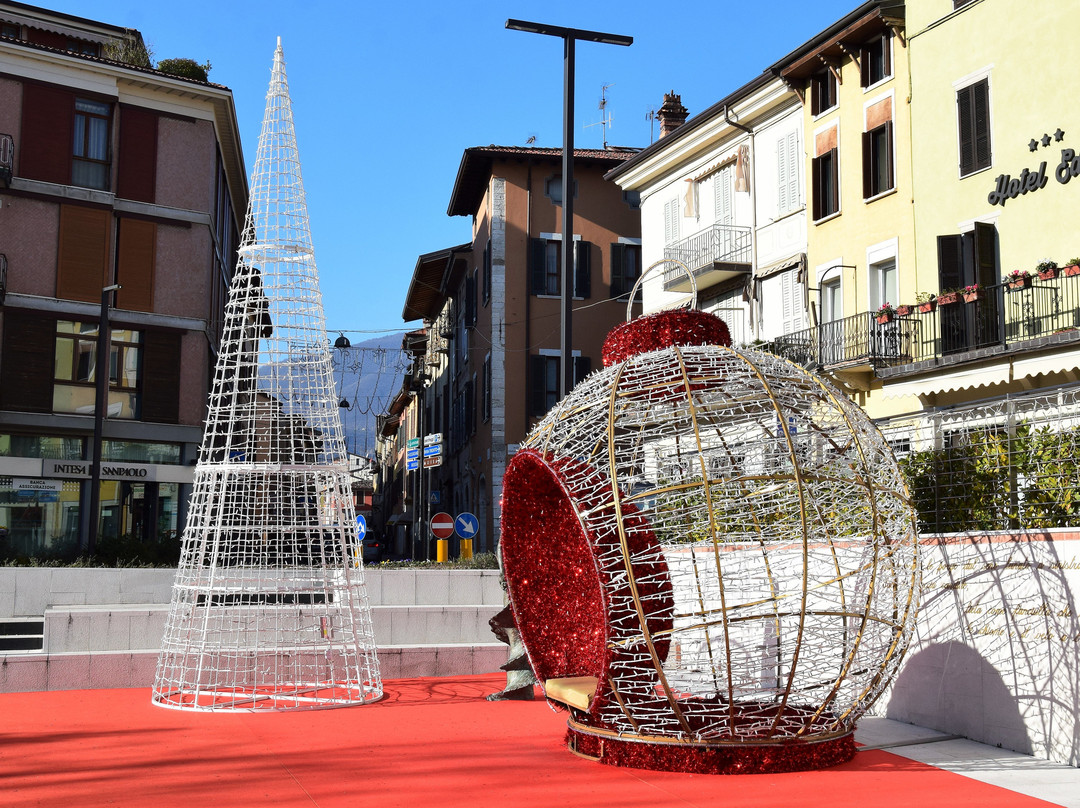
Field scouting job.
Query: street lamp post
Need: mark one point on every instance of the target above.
(569, 37)
(102, 372)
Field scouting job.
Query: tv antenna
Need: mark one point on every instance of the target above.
(605, 120)
(650, 116)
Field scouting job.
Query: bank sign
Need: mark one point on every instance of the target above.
(81, 470)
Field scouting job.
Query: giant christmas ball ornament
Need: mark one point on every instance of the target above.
(711, 557)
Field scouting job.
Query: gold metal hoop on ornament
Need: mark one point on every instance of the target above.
(654, 265)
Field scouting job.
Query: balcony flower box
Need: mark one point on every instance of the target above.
(927, 306)
(948, 298)
(972, 294)
(1020, 283)
(1048, 274)
(1071, 269)
(904, 310)
(885, 318)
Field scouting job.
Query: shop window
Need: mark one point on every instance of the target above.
(877, 160)
(825, 170)
(973, 123)
(875, 58)
(545, 267)
(625, 268)
(76, 368)
(823, 95)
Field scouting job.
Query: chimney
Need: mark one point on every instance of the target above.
(672, 114)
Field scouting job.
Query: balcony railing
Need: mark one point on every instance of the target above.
(998, 319)
(7, 159)
(701, 252)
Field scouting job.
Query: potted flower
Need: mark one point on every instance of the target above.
(1017, 279)
(949, 297)
(925, 302)
(972, 292)
(1072, 268)
(1047, 269)
(886, 313)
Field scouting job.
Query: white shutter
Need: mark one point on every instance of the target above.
(723, 190)
(671, 221)
(787, 153)
(793, 314)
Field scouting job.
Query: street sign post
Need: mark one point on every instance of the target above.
(466, 526)
(442, 526)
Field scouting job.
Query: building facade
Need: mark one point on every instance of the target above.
(114, 173)
(492, 309)
(723, 194)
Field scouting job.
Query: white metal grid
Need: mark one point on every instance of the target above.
(269, 609)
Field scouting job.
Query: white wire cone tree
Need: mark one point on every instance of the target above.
(269, 609)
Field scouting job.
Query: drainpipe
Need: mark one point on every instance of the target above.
(753, 204)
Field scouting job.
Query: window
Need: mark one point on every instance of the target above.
(545, 267)
(823, 95)
(825, 172)
(877, 160)
(625, 268)
(90, 163)
(671, 221)
(883, 288)
(965, 259)
(832, 307)
(84, 46)
(486, 272)
(544, 379)
(553, 189)
(973, 123)
(789, 164)
(876, 59)
(9, 29)
(632, 199)
(76, 367)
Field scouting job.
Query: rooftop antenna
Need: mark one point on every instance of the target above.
(650, 116)
(605, 121)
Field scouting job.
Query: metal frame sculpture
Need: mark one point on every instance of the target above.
(711, 556)
(269, 609)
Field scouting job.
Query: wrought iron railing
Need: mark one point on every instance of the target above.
(996, 318)
(720, 243)
(851, 341)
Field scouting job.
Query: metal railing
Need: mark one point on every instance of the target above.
(720, 243)
(995, 319)
(852, 341)
(7, 158)
(1008, 464)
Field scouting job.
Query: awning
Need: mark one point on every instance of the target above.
(946, 382)
(1059, 362)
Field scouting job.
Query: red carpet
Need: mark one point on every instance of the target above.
(431, 742)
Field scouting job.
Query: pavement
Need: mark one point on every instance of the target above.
(1055, 783)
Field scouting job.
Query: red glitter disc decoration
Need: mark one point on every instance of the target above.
(662, 329)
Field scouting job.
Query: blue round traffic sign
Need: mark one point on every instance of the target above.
(361, 526)
(466, 525)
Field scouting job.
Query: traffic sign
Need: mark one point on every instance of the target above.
(431, 451)
(435, 437)
(435, 498)
(361, 526)
(412, 464)
(412, 443)
(442, 525)
(466, 525)
(431, 462)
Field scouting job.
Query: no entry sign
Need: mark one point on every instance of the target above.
(442, 525)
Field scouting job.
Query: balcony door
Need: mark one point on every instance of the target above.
(964, 260)
(830, 337)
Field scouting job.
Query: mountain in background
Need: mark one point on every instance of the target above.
(368, 375)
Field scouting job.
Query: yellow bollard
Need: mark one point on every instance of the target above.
(442, 550)
(466, 548)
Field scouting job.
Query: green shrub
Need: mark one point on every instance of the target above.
(185, 68)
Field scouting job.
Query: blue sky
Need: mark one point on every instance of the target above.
(387, 95)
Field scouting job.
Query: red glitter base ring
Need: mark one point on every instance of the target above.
(787, 756)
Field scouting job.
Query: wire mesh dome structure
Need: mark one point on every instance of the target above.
(269, 609)
(711, 556)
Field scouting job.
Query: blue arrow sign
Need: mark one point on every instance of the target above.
(412, 464)
(431, 451)
(361, 526)
(412, 454)
(466, 525)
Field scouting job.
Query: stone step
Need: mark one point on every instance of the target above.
(139, 627)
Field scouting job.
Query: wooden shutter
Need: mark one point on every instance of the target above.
(161, 377)
(45, 146)
(26, 363)
(950, 262)
(537, 265)
(137, 166)
(973, 120)
(582, 269)
(985, 254)
(617, 281)
(582, 367)
(537, 384)
(83, 253)
(135, 266)
(470, 301)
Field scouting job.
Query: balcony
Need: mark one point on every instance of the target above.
(716, 254)
(998, 320)
(7, 159)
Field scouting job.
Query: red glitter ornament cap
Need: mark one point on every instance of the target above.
(663, 329)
